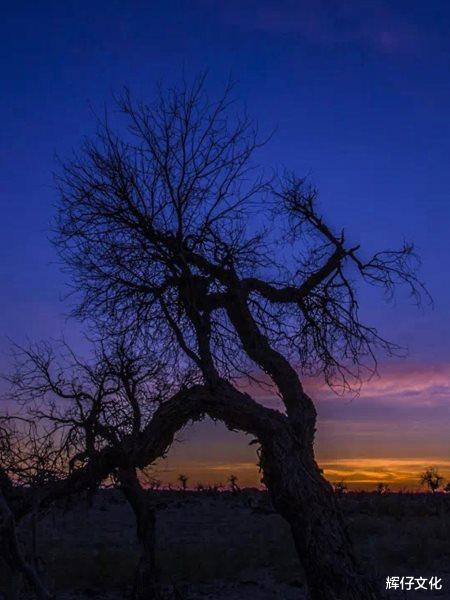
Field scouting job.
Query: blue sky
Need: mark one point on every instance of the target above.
(358, 94)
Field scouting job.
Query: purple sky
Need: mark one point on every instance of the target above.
(359, 94)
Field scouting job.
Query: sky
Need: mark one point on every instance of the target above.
(358, 96)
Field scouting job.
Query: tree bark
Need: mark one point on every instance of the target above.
(307, 502)
(145, 581)
(299, 492)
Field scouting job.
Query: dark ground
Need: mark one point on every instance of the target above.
(224, 545)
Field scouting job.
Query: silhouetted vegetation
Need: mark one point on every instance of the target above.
(432, 479)
(183, 479)
(382, 488)
(193, 270)
(233, 482)
(340, 488)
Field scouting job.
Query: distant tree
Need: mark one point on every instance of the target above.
(170, 232)
(183, 479)
(432, 479)
(200, 487)
(215, 487)
(382, 488)
(155, 484)
(340, 488)
(233, 482)
(447, 488)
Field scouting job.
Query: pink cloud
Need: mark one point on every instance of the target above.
(404, 383)
(398, 384)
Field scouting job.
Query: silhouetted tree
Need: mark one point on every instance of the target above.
(340, 488)
(107, 404)
(155, 484)
(382, 488)
(169, 232)
(233, 481)
(432, 479)
(183, 479)
(28, 461)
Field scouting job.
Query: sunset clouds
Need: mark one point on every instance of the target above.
(364, 473)
(405, 383)
(396, 426)
(357, 473)
(397, 384)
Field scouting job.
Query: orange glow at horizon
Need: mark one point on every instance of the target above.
(356, 473)
(394, 429)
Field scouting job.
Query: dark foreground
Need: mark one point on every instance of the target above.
(214, 545)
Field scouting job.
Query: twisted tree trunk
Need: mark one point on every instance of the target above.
(305, 499)
(298, 490)
(145, 580)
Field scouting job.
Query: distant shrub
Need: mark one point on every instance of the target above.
(183, 479)
(431, 478)
(382, 488)
(340, 488)
(233, 483)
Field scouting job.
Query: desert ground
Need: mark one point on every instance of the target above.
(223, 545)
